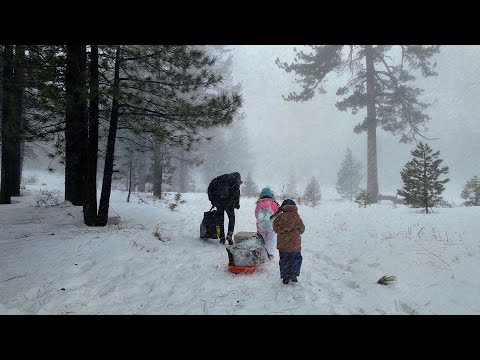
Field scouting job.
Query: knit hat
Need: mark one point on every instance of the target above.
(266, 193)
(288, 202)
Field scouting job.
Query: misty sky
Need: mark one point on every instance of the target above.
(310, 138)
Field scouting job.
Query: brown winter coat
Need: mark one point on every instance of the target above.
(288, 225)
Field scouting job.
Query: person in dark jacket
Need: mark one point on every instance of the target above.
(289, 226)
(224, 194)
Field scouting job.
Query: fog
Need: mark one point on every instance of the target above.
(311, 138)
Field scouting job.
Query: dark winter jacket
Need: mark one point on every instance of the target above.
(224, 191)
(289, 226)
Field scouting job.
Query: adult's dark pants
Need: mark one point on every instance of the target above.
(290, 264)
(231, 220)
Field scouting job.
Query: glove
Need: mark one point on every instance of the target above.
(237, 206)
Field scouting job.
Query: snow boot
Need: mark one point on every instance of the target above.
(229, 239)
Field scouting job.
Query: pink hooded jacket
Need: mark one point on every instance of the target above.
(265, 208)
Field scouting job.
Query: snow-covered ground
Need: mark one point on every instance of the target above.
(150, 260)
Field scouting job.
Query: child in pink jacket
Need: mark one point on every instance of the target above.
(266, 207)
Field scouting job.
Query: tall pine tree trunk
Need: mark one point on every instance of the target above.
(109, 157)
(182, 173)
(158, 169)
(372, 176)
(19, 86)
(476, 182)
(75, 124)
(133, 181)
(22, 156)
(8, 101)
(141, 174)
(425, 182)
(130, 165)
(141, 168)
(90, 203)
(83, 108)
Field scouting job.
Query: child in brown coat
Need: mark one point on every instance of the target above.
(289, 226)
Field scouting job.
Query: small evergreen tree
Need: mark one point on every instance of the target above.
(362, 199)
(471, 192)
(250, 189)
(348, 177)
(312, 193)
(421, 186)
(291, 188)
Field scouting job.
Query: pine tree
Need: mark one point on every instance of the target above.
(13, 124)
(40, 87)
(250, 189)
(421, 186)
(291, 191)
(19, 81)
(361, 199)
(104, 204)
(471, 192)
(90, 196)
(8, 125)
(348, 177)
(164, 93)
(313, 194)
(76, 124)
(380, 81)
(169, 92)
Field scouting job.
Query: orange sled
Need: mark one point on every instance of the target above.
(241, 269)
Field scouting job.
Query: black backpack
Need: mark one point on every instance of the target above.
(219, 190)
(210, 226)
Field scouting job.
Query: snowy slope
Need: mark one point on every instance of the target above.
(50, 263)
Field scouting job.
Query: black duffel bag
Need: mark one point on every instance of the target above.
(210, 226)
